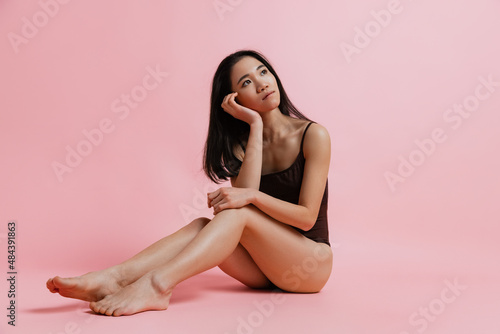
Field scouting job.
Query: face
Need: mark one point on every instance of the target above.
(253, 82)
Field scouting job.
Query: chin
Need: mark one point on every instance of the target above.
(271, 106)
(267, 109)
(274, 106)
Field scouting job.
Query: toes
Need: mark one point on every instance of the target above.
(50, 286)
(119, 312)
(102, 307)
(97, 307)
(100, 310)
(56, 281)
(67, 283)
(106, 308)
(109, 311)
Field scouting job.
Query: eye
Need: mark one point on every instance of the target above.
(246, 82)
(264, 71)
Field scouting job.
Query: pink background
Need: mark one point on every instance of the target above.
(394, 250)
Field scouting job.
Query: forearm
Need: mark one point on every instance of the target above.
(288, 213)
(251, 168)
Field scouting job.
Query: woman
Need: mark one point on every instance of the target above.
(269, 229)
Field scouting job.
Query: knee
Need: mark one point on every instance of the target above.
(248, 217)
(241, 215)
(243, 212)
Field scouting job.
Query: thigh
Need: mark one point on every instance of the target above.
(286, 257)
(242, 267)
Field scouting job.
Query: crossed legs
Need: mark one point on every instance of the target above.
(245, 243)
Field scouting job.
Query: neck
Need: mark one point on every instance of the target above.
(275, 125)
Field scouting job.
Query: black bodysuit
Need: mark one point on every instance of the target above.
(286, 184)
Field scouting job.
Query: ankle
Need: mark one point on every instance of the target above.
(120, 275)
(160, 284)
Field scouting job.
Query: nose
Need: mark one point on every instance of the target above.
(262, 85)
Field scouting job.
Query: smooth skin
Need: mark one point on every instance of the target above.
(250, 236)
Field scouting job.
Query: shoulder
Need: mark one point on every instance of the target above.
(316, 140)
(316, 134)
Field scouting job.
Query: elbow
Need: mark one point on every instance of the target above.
(308, 223)
(308, 219)
(307, 227)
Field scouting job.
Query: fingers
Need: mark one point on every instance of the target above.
(214, 197)
(218, 209)
(220, 205)
(232, 101)
(224, 102)
(226, 98)
(229, 103)
(217, 199)
(232, 98)
(210, 196)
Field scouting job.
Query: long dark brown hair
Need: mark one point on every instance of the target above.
(225, 131)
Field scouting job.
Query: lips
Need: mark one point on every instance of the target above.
(267, 95)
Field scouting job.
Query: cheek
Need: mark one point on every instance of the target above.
(273, 82)
(244, 100)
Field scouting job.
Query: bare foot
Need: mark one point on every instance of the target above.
(90, 287)
(143, 295)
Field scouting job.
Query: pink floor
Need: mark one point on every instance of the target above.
(399, 290)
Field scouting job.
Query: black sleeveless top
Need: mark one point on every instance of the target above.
(286, 184)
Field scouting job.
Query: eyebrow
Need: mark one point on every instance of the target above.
(246, 75)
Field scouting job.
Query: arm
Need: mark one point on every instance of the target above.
(251, 167)
(302, 215)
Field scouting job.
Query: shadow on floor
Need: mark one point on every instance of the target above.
(189, 290)
(58, 309)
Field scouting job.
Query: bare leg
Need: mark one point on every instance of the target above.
(242, 267)
(211, 247)
(96, 285)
